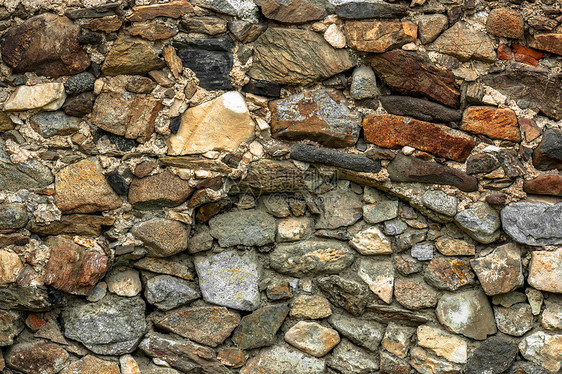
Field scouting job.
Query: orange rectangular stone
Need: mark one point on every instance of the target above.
(492, 122)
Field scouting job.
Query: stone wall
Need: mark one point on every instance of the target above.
(281, 186)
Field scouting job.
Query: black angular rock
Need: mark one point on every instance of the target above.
(117, 182)
(312, 154)
(175, 124)
(364, 9)
(494, 356)
(80, 83)
(210, 59)
(263, 88)
(548, 155)
(418, 108)
(481, 163)
(97, 12)
(90, 38)
(79, 105)
(347, 294)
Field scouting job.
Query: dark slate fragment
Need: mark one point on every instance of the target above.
(175, 124)
(481, 163)
(210, 59)
(122, 144)
(411, 169)
(494, 356)
(418, 108)
(117, 182)
(345, 293)
(79, 105)
(29, 298)
(263, 88)
(90, 38)
(364, 9)
(548, 155)
(80, 83)
(97, 12)
(312, 154)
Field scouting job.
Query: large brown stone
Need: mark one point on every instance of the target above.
(162, 237)
(82, 188)
(105, 24)
(411, 169)
(293, 56)
(205, 325)
(322, 116)
(91, 365)
(46, 44)
(220, 124)
(37, 357)
(73, 268)
(158, 191)
(131, 56)
(549, 42)
(505, 22)
(378, 37)
(500, 271)
(408, 73)
(464, 43)
(548, 184)
(492, 122)
(390, 131)
(293, 11)
(126, 114)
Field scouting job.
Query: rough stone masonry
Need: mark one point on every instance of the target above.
(280, 186)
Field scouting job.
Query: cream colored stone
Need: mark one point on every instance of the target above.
(47, 96)
(312, 338)
(293, 229)
(220, 124)
(379, 276)
(443, 344)
(335, 36)
(124, 282)
(454, 247)
(129, 365)
(543, 349)
(545, 271)
(310, 307)
(10, 267)
(426, 364)
(371, 241)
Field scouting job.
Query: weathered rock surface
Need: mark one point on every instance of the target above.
(173, 9)
(322, 116)
(130, 55)
(292, 56)
(45, 97)
(515, 320)
(391, 131)
(165, 266)
(112, 326)
(167, 292)
(369, 9)
(362, 332)
(91, 365)
(549, 42)
(548, 155)
(73, 268)
(495, 355)
(37, 357)
(182, 354)
(427, 364)
(548, 184)
(397, 339)
(341, 207)
(27, 298)
(371, 241)
(440, 202)
(344, 293)
(46, 44)
(443, 344)
(312, 257)
(210, 59)
(380, 211)
(259, 328)
(411, 169)
(312, 338)
(424, 110)
(492, 122)
(295, 11)
(11, 324)
(430, 26)
(545, 270)
(450, 274)
(543, 349)
(468, 313)
(363, 83)
(54, 123)
(465, 43)
(310, 307)
(248, 228)
(162, 237)
(505, 22)
(206, 325)
(409, 73)
(281, 359)
(220, 124)
(244, 9)
(82, 188)
(379, 37)
(159, 190)
(379, 276)
(10, 267)
(480, 221)
(229, 279)
(347, 358)
(521, 220)
(500, 271)
(414, 294)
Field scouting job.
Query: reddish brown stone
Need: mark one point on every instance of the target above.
(152, 31)
(549, 42)
(414, 294)
(172, 60)
(492, 122)
(392, 131)
(524, 59)
(46, 44)
(518, 48)
(157, 191)
(105, 24)
(548, 184)
(303, 116)
(529, 128)
(208, 211)
(174, 9)
(34, 322)
(37, 357)
(498, 199)
(505, 22)
(72, 268)
(232, 357)
(279, 291)
(408, 73)
(449, 273)
(504, 52)
(144, 168)
(293, 11)
(378, 37)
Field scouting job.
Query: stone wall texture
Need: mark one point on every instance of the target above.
(280, 186)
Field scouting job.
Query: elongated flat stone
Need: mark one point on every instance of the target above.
(357, 162)
(378, 37)
(533, 223)
(421, 109)
(492, 122)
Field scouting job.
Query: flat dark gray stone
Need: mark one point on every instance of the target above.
(357, 162)
(533, 223)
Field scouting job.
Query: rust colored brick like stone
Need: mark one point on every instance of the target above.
(505, 22)
(519, 57)
(34, 322)
(492, 122)
(409, 73)
(390, 131)
(530, 130)
(548, 184)
(173, 9)
(378, 37)
(504, 52)
(73, 268)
